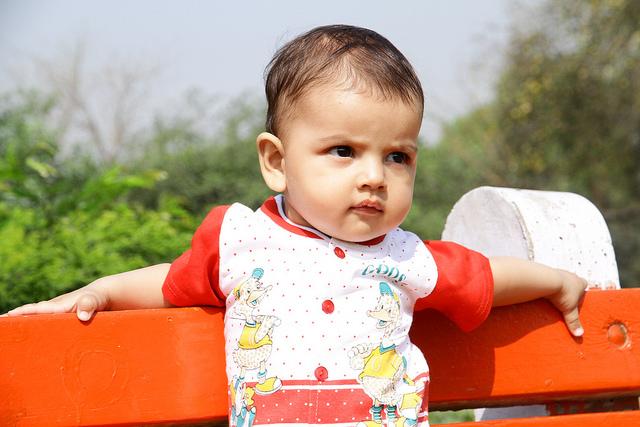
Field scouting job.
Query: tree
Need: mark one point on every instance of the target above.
(65, 222)
(205, 167)
(98, 112)
(566, 114)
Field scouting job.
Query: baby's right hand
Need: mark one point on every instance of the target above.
(84, 302)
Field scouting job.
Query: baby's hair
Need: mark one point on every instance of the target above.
(340, 55)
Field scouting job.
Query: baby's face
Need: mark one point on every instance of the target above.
(350, 162)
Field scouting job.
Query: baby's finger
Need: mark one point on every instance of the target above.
(40, 308)
(572, 319)
(85, 307)
(22, 310)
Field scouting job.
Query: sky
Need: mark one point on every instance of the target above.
(222, 47)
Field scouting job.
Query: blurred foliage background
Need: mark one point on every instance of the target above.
(565, 116)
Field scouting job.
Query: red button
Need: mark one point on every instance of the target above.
(321, 373)
(327, 306)
(339, 252)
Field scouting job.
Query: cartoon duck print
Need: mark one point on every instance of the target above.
(383, 369)
(254, 344)
(242, 410)
(411, 402)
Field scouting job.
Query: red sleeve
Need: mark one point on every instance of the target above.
(193, 276)
(464, 290)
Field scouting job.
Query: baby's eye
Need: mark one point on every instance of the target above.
(398, 157)
(342, 151)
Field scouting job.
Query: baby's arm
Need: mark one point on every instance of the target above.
(135, 289)
(517, 280)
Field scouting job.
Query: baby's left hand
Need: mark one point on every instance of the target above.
(567, 298)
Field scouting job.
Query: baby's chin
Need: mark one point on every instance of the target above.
(356, 236)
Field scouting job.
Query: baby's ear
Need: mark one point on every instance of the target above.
(271, 155)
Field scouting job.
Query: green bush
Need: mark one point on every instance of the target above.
(446, 417)
(204, 169)
(65, 221)
(41, 260)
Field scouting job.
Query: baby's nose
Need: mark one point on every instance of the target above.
(372, 175)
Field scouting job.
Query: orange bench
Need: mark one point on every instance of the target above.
(167, 366)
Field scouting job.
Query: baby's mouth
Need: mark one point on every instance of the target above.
(368, 207)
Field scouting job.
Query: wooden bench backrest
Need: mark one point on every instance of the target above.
(167, 365)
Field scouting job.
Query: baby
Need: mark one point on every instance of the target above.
(319, 283)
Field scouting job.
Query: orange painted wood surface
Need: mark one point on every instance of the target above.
(524, 354)
(163, 366)
(128, 367)
(604, 419)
